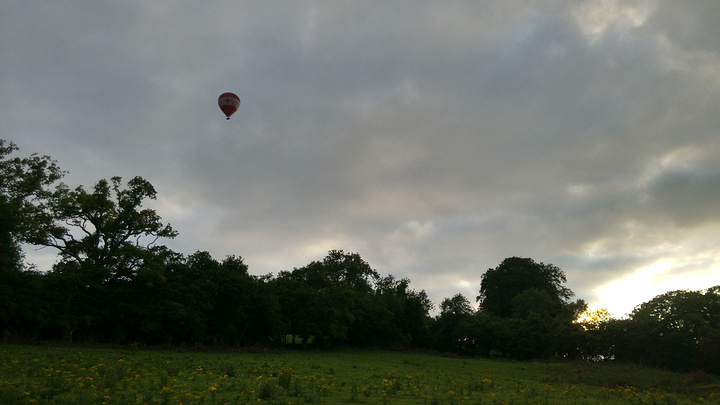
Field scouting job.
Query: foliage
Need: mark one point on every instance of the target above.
(73, 375)
(114, 284)
(170, 300)
(454, 326)
(105, 231)
(342, 300)
(679, 330)
(318, 299)
(24, 187)
(515, 276)
(525, 313)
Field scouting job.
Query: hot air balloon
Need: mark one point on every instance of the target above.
(229, 103)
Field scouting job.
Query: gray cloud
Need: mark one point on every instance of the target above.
(435, 140)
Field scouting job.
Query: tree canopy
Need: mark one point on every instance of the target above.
(115, 283)
(678, 329)
(106, 228)
(24, 189)
(501, 288)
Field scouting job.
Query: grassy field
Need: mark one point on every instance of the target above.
(76, 375)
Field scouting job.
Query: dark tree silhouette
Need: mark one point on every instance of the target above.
(515, 276)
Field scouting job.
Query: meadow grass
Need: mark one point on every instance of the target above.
(78, 375)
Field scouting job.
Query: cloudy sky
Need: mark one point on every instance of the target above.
(433, 138)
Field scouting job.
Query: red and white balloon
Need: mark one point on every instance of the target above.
(229, 103)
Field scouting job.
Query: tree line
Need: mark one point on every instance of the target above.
(113, 282)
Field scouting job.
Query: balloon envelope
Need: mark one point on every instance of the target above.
(229, 103)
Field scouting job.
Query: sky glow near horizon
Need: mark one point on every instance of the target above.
(435, 139)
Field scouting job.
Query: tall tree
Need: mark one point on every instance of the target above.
(105, 230)
(515, 276)
(677, 329)
(531, 308)
(410, 311)
(453, 327)
(242, 311)
(298, 305)
(349, 270)
(322, 309)
(105, 238)
(24, 186)
(319, 299)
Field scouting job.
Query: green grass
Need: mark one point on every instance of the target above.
(76, 375)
